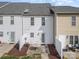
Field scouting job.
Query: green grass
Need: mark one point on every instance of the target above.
(12, 57)
(37, 56)
(34, 56)
(8, 57)
(26, 57)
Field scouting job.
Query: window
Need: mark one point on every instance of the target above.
(43, 21)
(73, 20)
(7, 33)
(43, 37)
(32, 20)
(1, 19)
(1, 34)
(71, 39)
(12, 19)
(31, 34)
(25, 38)
(76, 39)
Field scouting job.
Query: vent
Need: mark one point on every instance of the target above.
(26, 11)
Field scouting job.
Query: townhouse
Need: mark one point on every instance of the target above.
(66, 27)
(25, 21)
(39, 24)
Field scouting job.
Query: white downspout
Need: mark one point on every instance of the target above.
(20, 41)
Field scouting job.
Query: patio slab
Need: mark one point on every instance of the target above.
(41, 50)
(71, 55)
(44, 56)
(5, 48)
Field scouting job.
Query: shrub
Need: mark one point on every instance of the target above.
(8, 57)
(26, 57)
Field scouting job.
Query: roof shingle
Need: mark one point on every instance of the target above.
(19, 8)
(65, 9)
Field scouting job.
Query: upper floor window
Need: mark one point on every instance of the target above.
(31, 34)
(43, 21)
(1, 19)
(12, 19)
(73, 20)
(1, 34)
(32, 20)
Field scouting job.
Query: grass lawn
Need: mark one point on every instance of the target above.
(34, 56)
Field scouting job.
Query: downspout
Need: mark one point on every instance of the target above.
(22, 33)
(22, 22)
(54, 25)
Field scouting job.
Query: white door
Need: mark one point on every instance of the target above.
(12, 37)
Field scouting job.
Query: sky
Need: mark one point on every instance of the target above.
(74, 3)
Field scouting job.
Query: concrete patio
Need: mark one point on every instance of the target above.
(5, 48)
(71, 55)
(41, 50)
(46, 51)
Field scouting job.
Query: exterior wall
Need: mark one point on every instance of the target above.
(7, 27)
(63, 29)
(38, 29)
(64, 25)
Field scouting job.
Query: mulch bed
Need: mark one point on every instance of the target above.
(53, 52)
(15, 50)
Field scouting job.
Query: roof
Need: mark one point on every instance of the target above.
(3, 3)
(23, 8)
(20, 7)
(65, 9)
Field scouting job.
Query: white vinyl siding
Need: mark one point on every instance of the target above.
(38, 29)
(1, 20)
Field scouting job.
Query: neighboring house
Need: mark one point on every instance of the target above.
(67, 26)
(25, 21)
